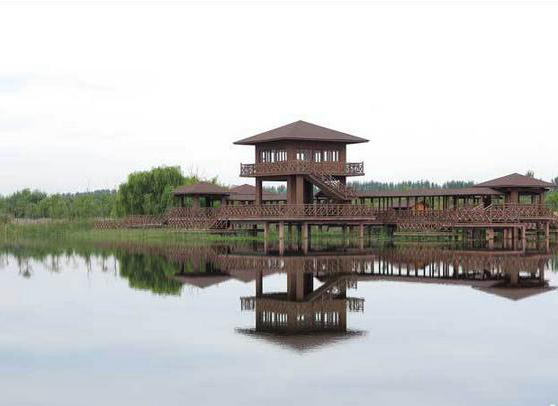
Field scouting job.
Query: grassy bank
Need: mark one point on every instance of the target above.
(83, 231)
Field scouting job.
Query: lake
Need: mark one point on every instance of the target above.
(124, 324)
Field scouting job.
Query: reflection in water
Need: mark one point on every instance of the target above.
(312, 309)
(303, 317)
(409, 324)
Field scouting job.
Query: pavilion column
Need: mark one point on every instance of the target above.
(196, 202)
(259, 192)
(299, 189)
(291, 184)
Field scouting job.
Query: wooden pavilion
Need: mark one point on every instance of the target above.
(515, 187)
(312, 158)
(203, 194)
(304, 155)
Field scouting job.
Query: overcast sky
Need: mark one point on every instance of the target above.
(90, 93)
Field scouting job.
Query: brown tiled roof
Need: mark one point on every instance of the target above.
(472, 191)
(202, 282)
(517, 293)
(248, 193)
(202, 188)
(302, 342)
(301, 131)
(516, 180)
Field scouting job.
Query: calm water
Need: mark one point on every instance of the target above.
(216, 325)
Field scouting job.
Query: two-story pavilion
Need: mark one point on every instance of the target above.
(304, 155)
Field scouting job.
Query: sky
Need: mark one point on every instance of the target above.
(90, 92)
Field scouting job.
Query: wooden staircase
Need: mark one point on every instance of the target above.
(332, 187)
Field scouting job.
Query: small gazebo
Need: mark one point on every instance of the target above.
(210, 193)
(515, 186)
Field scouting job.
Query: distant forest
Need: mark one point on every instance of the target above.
(405, 185)
(150, 192)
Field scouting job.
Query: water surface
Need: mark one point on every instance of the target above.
(210, 325)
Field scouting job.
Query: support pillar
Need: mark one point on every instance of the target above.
(299, 189)
(266, 236)
(490, 237)
(305, 237)
(259, 284)
(281, 238)
(259, 186)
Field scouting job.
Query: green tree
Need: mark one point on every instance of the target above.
(150, 192)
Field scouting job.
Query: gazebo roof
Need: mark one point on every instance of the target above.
(202, 188)
(516, 180)
(301, 131)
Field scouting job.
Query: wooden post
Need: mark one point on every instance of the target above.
(291, 189)
(266, 237)
(281, 238)
(259, 186)
(305, 237)
(490, 237)
(299, 189)
(259, 284)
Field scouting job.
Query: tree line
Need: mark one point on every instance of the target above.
(144, 192)
(151, 193)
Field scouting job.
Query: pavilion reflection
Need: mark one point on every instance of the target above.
(311, 311)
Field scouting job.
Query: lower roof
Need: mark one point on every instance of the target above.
(470, 191)
(201, 188)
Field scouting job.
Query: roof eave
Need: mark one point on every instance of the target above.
(249, 142)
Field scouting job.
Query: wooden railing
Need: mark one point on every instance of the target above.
(280, 211)
(218, 218)
(302, 167)
(494, 213)
(506, 213)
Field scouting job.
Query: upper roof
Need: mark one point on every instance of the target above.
(202, 188)
(301, 131)
(516, 180)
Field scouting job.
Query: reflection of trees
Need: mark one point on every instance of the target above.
(148, 272)
(143, 271)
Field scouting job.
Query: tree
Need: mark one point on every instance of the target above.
(530, 174)
(150, 192)
(552, 200)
